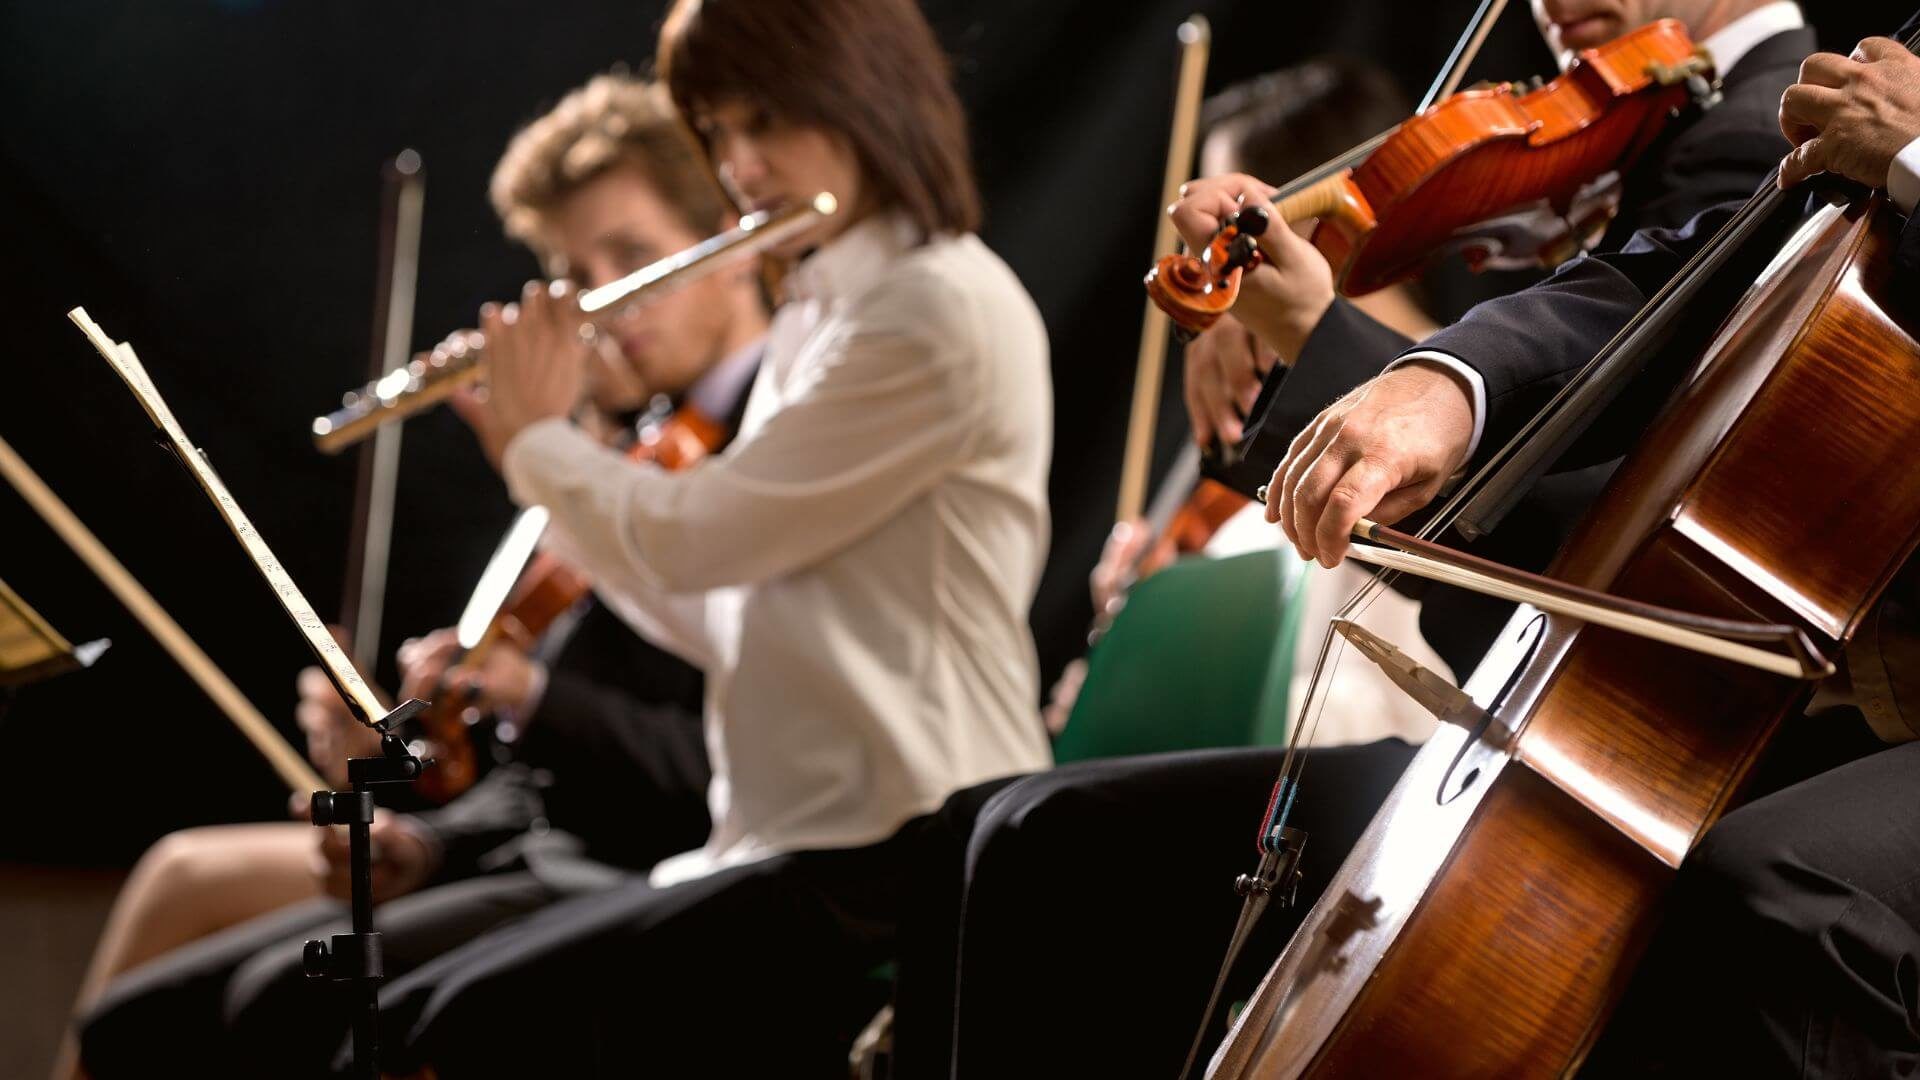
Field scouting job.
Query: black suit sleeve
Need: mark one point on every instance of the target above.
(596, 735)
(1719, 156)
(629, 775)
(1347, 347)
(1527, 345)
(505, 803)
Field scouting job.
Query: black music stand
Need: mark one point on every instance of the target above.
(355, 958)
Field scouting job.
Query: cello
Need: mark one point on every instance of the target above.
(1488, 920)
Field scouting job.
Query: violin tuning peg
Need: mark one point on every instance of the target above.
(1252, 221)
(1242, 252)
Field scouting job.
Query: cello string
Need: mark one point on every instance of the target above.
(1732, 235)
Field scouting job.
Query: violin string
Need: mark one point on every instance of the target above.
(1444, 83)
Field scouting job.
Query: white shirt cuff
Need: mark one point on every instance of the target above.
(1903, 178)
(1476, 387)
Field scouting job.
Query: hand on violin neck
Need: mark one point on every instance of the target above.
(1222, 372)
(1282, 300)
(537, 358)
(505, 677)
(1066, 692)
(332, 733)
(1381, 452)
(1852, 115)
(1114, 572)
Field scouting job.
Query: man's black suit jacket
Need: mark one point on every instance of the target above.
(1721, 154)
(1527, 345)
(611, 766)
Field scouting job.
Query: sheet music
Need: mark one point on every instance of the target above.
(333, 660)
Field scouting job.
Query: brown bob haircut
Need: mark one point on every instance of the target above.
(869, 70)
(615, 119)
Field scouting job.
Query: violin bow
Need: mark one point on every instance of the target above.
(360, 698)
(288, 763)
(1445, 82)
(1709, 636)
(363, 601)
(1196, 41)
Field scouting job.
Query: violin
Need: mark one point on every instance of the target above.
(1192, 526)
(546, 589)
(1489, 918)
(1179, 527)
(1451, 177)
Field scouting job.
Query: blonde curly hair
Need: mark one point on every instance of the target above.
(614, 119)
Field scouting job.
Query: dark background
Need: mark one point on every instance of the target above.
(202, 176)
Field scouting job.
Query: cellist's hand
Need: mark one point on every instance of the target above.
(1283, 300)
(1851, 115)
(1383, 451)
(1223, 370)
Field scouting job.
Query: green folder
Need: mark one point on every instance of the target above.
(1201, 656)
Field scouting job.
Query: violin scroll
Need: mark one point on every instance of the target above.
(1195, 291)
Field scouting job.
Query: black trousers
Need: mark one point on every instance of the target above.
(1791, 947)
(237, 1004)
(1088, 908)
(766, 969)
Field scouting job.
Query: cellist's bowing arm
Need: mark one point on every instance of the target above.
(1380, 452)
(1385, 450)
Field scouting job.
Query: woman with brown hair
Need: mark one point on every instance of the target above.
(853, 574)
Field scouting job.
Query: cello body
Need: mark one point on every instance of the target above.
(1489, 919)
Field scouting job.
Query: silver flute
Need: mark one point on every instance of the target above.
(428, 380)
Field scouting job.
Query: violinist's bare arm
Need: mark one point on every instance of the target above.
(1857, 116)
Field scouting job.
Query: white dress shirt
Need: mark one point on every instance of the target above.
(1727, 46)
(854, 572)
